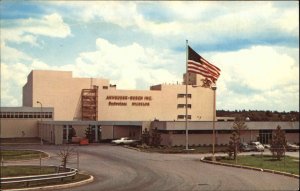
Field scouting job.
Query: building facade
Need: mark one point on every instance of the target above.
(58, 107)
(67, 95)
(23, 121)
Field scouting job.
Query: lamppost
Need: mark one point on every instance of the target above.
(40, 127)
(214, 88)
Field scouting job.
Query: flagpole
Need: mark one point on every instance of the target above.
(186, 101)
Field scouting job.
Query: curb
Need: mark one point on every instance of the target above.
(128, 147)
(58, 186)
(251, 168)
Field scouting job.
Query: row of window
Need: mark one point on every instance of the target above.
(196, 132)
(184, 105)
(26, 115)
(210, 131)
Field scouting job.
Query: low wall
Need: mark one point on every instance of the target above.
(17, 128)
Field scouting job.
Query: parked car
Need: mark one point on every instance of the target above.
(244, 147)
(267, 146)
(257, 146)
(125, 141)
(292, 147)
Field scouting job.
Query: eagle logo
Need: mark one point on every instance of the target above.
(206, 83)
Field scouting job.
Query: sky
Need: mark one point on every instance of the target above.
(137, 44)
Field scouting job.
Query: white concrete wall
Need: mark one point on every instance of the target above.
(107, 132)
(292, 137)
(16, 128)
(201, 139)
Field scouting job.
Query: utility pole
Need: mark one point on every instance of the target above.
(40, 127)
(214, 88)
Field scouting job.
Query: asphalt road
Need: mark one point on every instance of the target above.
(118, 168)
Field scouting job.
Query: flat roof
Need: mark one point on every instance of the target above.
(131, 123)
(26, 109)
(192, 125)
(225, 125)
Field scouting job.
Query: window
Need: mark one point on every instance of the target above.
(180, 105)
(183, 95)
(183, 105)
(292, 131)
(105, 87)
(3, 115)
(182, 117)
(223, 131)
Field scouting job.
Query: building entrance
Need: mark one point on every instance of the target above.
(265, 136)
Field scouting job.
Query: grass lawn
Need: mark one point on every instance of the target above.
(287, 164)
(9, 171)
(181, 149)
(34, 170)
(21, 154)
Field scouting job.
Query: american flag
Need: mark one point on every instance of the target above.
(198, 65)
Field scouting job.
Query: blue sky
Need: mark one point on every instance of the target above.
(139, 44)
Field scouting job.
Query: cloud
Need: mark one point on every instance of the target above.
(27, 30)
(9, 54)
(138, 44)
(125, 65)
(258, 78)
(208, 25)
(15, 62)
(259, 67)
(13, 77)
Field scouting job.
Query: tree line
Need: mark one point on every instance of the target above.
(259, 115)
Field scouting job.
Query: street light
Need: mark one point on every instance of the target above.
(214, 88)
(40, 130)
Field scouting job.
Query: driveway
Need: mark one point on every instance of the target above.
(119, 168)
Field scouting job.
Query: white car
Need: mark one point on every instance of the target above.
(258, 146)
(267, 146)
(292, 147)
(124, 141)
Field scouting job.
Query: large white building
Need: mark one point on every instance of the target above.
(60, 104)
(96, 99)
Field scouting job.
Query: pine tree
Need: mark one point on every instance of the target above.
(278, 143)
(146, 137)
(239, 126)
(155, 138)
(233, 145)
